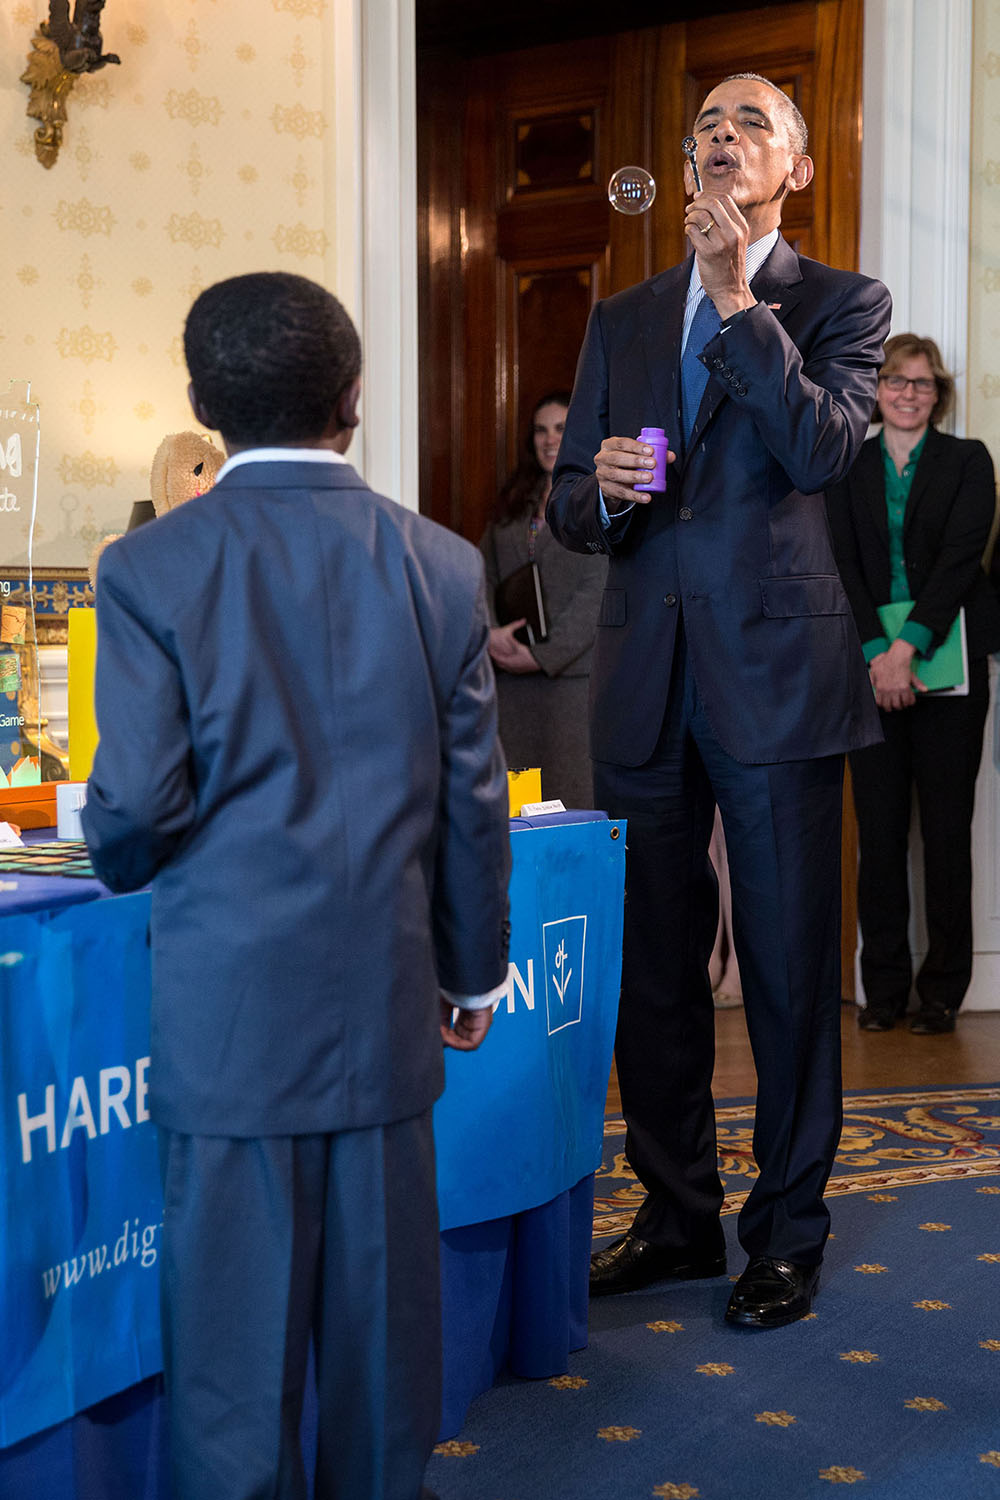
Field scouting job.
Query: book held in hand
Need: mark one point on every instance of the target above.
(519, 597)
(946, 671)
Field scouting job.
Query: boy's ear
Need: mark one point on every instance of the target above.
(199, 409)
(347, 404)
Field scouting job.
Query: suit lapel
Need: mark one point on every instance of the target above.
(661, 342)
(715, 395)
(774, 285)
(926, 464)
(777, 282)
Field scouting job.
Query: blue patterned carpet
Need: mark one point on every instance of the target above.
(892, 1386)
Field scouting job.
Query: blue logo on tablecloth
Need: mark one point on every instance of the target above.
(564, 945)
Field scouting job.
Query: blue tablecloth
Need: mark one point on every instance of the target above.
(74, 987)
(514, 1296)
(25, 893)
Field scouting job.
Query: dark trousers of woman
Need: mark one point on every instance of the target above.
(935, 746)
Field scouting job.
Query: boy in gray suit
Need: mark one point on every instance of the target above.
(298, 749)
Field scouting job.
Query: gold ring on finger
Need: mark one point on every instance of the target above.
(707, 228)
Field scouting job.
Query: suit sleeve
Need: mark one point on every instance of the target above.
(960, 559)
(140, 797)
(812, 411)
(574, 505)
(472, 871)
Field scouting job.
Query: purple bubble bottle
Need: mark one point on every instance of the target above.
(655, 438)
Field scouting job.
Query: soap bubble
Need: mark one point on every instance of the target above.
(631, 190)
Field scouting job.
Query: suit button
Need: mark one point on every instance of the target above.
(670, 599)
(686, 513)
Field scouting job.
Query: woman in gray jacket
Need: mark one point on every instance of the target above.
(543, 687)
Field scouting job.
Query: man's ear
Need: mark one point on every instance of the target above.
(200, 411)
(801, 174)
(688, 179)
(347, 405)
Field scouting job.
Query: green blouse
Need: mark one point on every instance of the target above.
(897, 492)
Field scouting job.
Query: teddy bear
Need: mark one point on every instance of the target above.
(184, 465)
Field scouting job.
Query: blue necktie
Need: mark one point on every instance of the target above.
(694, 377)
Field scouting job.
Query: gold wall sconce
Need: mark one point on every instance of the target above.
(61, 50)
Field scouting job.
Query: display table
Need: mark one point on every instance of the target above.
(80, 1194)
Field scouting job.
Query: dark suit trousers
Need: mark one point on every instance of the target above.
(935, 746)
(782, 825)
(271, 1242)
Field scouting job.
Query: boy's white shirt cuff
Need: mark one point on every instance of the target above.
(476, 1002)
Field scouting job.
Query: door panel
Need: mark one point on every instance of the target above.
(536, 243)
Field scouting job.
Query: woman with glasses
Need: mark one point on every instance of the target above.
(910, 523)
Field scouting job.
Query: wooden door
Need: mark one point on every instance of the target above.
(518, 239)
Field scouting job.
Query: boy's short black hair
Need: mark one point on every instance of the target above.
(269, 355)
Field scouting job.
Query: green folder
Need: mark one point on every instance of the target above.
(946, 670)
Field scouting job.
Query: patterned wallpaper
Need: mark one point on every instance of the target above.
(208, 152)
(984, 247)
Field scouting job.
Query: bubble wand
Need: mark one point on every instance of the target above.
(690, 146)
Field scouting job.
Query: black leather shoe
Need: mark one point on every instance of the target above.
(932, 1022)
(876, 1020)
(771, 1293)
(631, 1263)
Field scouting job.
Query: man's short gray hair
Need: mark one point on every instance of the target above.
(798, 132)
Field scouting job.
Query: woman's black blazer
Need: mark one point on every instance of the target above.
(945, 529)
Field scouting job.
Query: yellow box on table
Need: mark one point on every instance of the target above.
(524, 785)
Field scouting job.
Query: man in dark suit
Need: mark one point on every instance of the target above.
(298, 748)
(727, 670)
